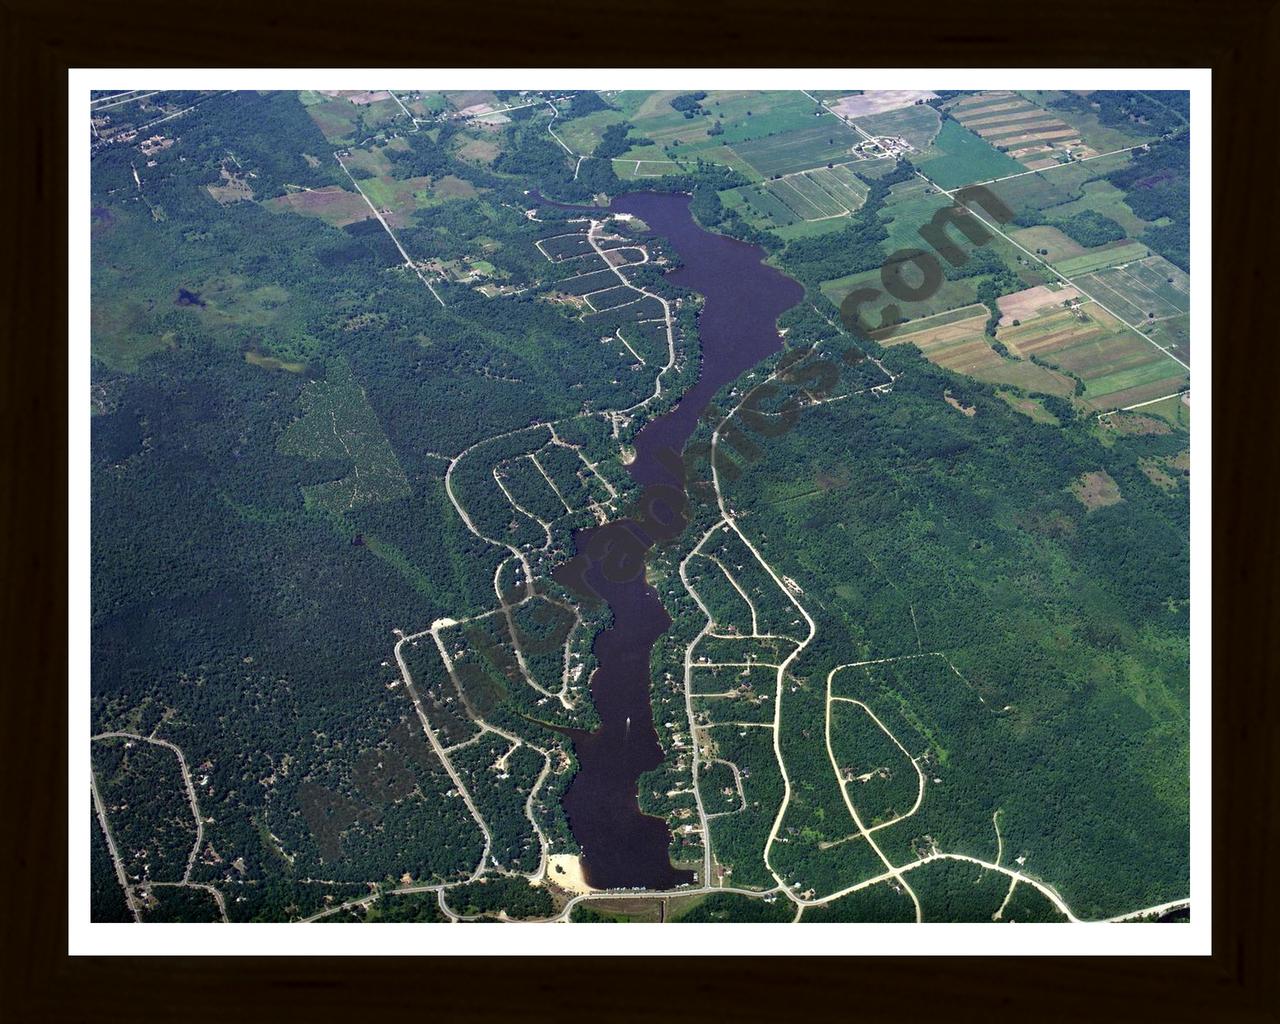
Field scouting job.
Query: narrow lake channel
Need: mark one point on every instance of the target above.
(623, 847)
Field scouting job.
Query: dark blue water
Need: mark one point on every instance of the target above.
(744, 298)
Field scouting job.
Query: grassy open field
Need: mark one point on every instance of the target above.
(950, 295)
(335, 118)
(1108, 255)
(630, 169)
(909, 208)
(583, 134)
(958, 157)
(1029, 407)
(813, 145)
(122, 330)
(374, 159)
(331, 204)
(400, 198)
(741, 117)
(339, 119)
(476, 149)
(1057, 246)
(1176, 411)
(1173, 334)
(755, 115)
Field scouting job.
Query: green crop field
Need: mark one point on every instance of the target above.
(803, 197)
(1103, 256)
(812, 146)
(1131, 296)
(1117, 365)
(842, 176)
(950, 295)
(958, 157)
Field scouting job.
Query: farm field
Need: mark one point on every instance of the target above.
(1045, 189)
(950, 295)
(1137, 292)
(918, 125)
(910, 206)
(1093, 133)
(1049, 242)
(631, 170)
(958, 157)
(397, 198)
(743, 122)
(809, 196)
(1117, 366)
(811, 146)
(342, 119)
(1050, 348)
(1025, 304)
(1109, 255)
(962, 346)
(373, 159)
(1028, 133)
(1172, 333)
(466, 99)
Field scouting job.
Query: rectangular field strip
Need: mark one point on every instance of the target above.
(838, 192)
(821, 201)
(794, 200)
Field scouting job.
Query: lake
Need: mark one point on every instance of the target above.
(623, 847)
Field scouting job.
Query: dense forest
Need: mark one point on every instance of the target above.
(1066, 626)
(1157, 184)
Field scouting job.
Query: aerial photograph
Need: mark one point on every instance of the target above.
(638, 506)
